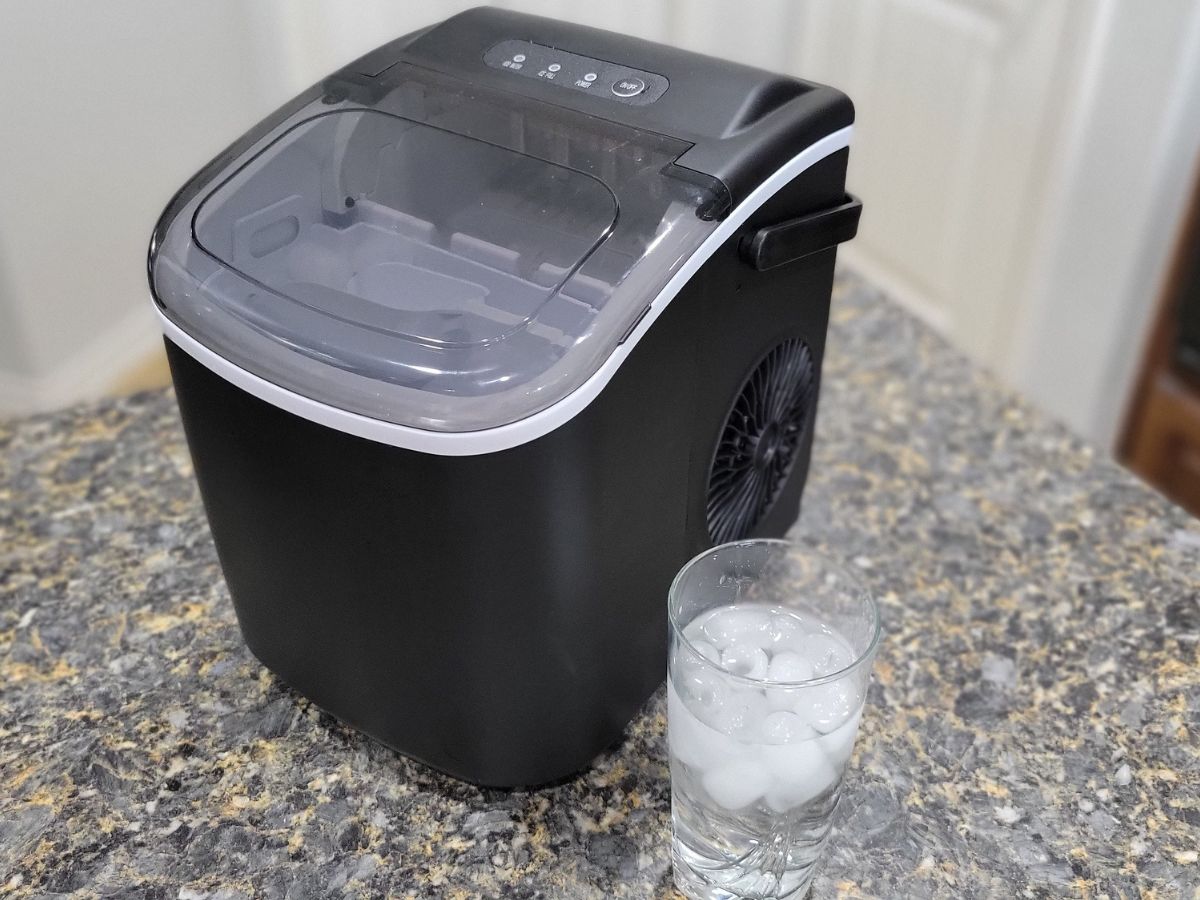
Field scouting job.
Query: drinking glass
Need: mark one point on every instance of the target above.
(771, 646)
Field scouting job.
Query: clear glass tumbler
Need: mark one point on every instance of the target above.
(770, 656)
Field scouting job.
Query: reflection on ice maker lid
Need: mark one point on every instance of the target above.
(452, 259)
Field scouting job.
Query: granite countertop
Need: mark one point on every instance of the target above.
(1033, 729)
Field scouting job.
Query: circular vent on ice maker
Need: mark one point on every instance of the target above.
(759, 441)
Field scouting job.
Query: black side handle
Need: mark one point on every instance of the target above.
(794, 239)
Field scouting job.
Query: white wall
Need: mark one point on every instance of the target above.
(106, 109)
(1022, 162)
(1120, 181)
(1023, 166)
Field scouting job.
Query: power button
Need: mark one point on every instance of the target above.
(628, 87)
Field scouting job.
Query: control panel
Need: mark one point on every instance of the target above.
(580, 73)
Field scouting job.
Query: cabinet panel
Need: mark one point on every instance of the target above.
(957, 118)
(637, 17)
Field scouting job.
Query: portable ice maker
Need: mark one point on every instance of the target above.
(475, 343)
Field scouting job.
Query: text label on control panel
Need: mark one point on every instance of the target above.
(582, 73)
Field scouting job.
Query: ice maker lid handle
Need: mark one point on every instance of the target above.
(797, 238)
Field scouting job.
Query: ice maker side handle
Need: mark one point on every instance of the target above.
(794, 239)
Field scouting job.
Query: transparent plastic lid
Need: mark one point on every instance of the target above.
(443, 257)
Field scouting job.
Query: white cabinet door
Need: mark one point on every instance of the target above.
(643, 18)
(958, 105)
(1020, 164)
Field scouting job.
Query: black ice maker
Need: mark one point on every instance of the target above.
(475, 343)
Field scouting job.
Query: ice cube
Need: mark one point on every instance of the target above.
(691, 740)
(694, 630)
(827, 706)
(800, 772)
(783, 727)
(802, 763)
(738, 783)
(783, 797)
(707, 650)
(812, 768)
(738, 623)
(703, 689)
(839, 743)
(742, 714)
(789, 666)
(744, 658)
(788, 629)
(786, 666)
(827, 653)
(782, 699)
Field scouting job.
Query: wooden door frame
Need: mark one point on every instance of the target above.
(1165, 403)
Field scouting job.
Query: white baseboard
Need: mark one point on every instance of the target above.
(91, 372)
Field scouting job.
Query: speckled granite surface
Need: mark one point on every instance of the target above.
(1033, 729)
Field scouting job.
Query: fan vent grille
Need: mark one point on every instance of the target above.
(758, 444)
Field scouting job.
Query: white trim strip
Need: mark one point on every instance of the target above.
(492, 440)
